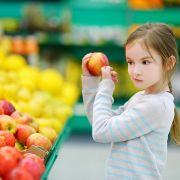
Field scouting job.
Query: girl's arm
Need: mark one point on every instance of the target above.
(143, 117)
(90, 89)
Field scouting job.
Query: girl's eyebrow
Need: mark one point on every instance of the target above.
(146, 57)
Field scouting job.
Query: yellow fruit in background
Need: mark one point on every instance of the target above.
(44, 122)
(61, 114)
(22, 105)
(56, 125)
(42, 96)
(24, 94)
(3, 55)
(14, 62)
(11, 90)
(70, 94)
(51, 80)
(1, 93)
(30, 72)
(48, 111)
(13, 76)
(33, 108)
(3, 77)
(28, 83)
(6, 43)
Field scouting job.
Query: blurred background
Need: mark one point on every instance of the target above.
(42, 44)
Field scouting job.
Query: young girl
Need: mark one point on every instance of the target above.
(138, 130)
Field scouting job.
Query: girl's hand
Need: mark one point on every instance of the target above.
(107, 73)
(84, 64)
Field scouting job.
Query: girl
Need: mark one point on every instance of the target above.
(138, 130)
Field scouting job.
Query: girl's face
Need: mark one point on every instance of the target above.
(143, 70)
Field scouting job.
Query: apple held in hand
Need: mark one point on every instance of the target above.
(6, 139)
(7, 107)
(21, 118)
(23, 132)
(96, 62)
(38, 139)
(7, 123)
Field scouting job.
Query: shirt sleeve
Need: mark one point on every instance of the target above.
(90, 89)
(141, 118)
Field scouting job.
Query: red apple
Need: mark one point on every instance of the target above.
(2, 141)
(18, 173)
(1, 110)
(35, 158)
(23, 132)
(96, 62)
(33, 122)
(20, 117)
(7, 107)
(32, 167)
(50, 133)
(9, 138)
(38, 139)
(9, 158)
(7, 123)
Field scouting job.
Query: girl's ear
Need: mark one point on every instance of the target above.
(172, 61)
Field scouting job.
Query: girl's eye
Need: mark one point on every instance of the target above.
(146, 62)
(130, 62)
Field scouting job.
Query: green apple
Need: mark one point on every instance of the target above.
(19, 146)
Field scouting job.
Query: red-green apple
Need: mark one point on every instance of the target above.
(9, 158)
(96, 62)
(23, 132)
(7, 123)
(35, 158)
(20, 118)
(9, 138)
(32, 167)
(50, 133)
(38, 139)
(33, 122)
(7, 107)
(18, 173)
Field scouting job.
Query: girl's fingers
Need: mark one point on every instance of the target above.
(87, 56)
(113, 73)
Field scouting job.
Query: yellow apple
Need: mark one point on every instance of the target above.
(50, 133)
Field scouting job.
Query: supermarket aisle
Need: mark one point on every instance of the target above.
(80, 158)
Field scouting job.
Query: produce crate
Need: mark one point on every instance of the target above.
(53, 153)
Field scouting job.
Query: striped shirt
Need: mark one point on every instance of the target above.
(138, 130)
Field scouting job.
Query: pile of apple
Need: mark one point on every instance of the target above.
(15, 166)
(21, 130)
(18, 131)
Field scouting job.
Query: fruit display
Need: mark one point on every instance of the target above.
(16, 135)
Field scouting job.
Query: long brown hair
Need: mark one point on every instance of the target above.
(160, 37)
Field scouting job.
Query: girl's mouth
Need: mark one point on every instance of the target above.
(137, 80)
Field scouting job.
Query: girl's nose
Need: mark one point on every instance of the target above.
(137, 71)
